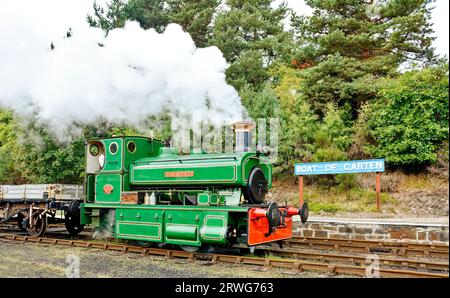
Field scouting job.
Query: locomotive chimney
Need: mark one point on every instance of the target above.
(243, 131)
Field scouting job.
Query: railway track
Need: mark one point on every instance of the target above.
(382, 247)
(356, 251)
(362, 259)
(397, 248)
(294, 264)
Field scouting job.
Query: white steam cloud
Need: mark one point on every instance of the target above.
(134, 74)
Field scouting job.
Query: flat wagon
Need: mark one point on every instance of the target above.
(34, 206)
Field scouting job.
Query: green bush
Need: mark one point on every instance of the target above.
(410, 119)
(8, 146)
(345, 182)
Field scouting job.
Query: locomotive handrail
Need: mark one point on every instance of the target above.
(186, 160)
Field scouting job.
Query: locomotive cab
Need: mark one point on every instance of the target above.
(107, 164)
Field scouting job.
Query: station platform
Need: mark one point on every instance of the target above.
(407, 221)
(408, 229)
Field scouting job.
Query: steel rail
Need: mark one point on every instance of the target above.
(358, 259)
(361, 259)
(406, 249)
(387, 242)
(419, 264)
(215, 258)
(399, 248)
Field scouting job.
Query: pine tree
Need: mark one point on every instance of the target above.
(195, 16)
(109, 17)
(349, 45)
(250, 35)
(149, 13)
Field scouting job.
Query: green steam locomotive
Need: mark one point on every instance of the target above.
(140, 189)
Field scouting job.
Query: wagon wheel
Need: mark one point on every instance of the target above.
(39, 227)
(20, 222)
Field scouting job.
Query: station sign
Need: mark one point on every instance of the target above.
(339, 167)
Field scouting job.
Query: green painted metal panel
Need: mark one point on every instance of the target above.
(113, 160)
(139, 224)
(176, 232)
(126, 182)
(143, 147)
(169, 168)
(184, 174)
(208, 198)
(181, 227)
(85, 215)
(171, 207)
(214, 227)
(90, 188)
(139, 231)
(113, 180)
(213, 199)
(139, 214)
(203, 199)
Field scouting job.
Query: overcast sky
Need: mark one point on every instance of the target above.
(440, 18)
(69, 12)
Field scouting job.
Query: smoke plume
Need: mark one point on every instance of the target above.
(122, 78)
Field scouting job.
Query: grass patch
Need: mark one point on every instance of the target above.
(325, 207)
(273, 257)
(331, 200)
(420, 182)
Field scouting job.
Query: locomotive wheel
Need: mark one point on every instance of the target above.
(72, 218)
(189, 248)
(256, 191)
(39, 225)
(72, 223)
(20, 221)
(144, 243)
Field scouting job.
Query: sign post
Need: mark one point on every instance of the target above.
(378, 190)
(300, 188)
(342, 167)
